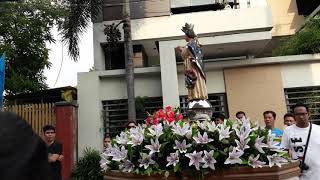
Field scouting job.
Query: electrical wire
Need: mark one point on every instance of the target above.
(60, 65)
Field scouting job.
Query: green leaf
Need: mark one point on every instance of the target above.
(244, 161)
(216, 154)
(211, 147)
(130, 152)
(194, 131)
(88, 166)
(229, 123)
(181, 123)
(148, 171)
(225, 141)
(176, 168)
(225, 152)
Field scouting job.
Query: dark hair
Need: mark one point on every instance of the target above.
(240, 112)
(21, 145)
(106, 136)
(301, 105)
(48, 127)
(219, 116)
(270, 112)
(288, 115)
(129, 122)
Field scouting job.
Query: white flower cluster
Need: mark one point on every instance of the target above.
(186, 140)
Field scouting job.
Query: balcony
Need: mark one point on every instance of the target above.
(242, 30)
(247, 16)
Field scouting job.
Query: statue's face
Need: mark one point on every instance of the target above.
(187, 38)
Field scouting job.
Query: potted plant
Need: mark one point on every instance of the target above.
(167, 146)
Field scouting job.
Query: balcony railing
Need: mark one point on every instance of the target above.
(216, 4)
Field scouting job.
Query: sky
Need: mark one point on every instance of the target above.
(58, 56)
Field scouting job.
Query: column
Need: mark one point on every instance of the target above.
(169, 77)
(66, 125)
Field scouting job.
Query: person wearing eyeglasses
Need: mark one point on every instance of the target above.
(302, 140)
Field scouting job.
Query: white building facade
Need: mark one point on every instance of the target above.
(236, 42)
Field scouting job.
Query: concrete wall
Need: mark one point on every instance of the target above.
(251, 85)
(94, 87)
(301, 74)
(214, 22)
(255, 90)
(285, 17)
(115, 87)
(90, 132)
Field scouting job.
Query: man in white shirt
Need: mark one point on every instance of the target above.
(294, 140)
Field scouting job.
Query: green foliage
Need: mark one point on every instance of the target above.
(88, 166)
(113, 35)
(24, 30)
(79, 16)
(140, 103)
(306, 41)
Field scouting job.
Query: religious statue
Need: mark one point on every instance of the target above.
(195, 78)
(199, 108)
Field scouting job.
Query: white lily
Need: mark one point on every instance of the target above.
(255, 163)
(234, 157)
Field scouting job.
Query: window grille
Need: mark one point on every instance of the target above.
(115, 113)
(306, 95)
(218, 102)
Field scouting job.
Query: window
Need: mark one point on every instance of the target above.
(307, 95)
(115, 112)
(115, 59)
(180, 7)
(113, 9)
(306, 7)
(218, 102)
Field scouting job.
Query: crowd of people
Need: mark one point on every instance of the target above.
(25, 155)
(300, 137)
(269, 118)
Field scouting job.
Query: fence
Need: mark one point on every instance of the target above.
(37, 115)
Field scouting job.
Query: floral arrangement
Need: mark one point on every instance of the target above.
(168, 144)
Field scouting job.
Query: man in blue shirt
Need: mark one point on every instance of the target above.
(269, 120)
